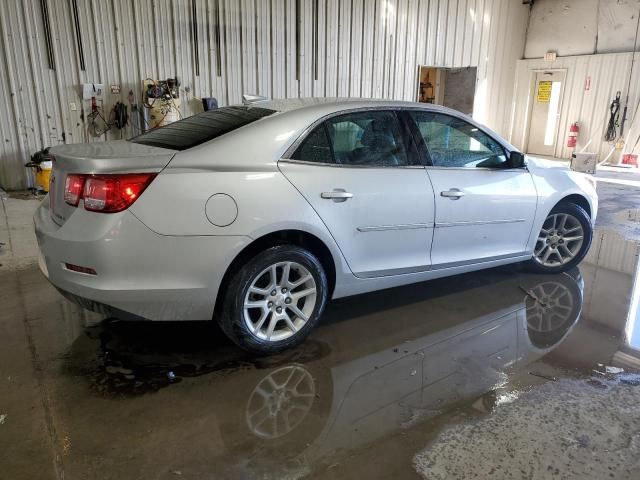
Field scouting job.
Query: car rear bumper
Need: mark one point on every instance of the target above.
(139, 273)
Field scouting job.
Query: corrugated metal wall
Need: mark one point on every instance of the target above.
(277, 48)
(607, 74)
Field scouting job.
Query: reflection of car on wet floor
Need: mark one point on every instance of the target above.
(401, 371)
(377, 392)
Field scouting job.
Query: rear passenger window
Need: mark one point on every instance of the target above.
(315, 148)
(371, 138)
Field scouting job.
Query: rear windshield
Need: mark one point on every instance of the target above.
(202, 127)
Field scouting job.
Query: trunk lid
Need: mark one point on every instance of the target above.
(99, 158)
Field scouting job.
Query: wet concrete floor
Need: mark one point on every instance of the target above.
(494, 374)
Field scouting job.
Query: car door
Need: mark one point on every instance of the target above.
(484, 208)
(360, 172)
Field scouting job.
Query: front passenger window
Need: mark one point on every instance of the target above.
(453, 142)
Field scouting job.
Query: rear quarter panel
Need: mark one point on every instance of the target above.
(242, 165)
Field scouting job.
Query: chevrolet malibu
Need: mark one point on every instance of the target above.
(255, 215)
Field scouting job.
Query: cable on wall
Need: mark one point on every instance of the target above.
(614, 116)
(297, 19)
(76, 23)
(46, 25)
(217, 35)
(315, 39)
(633, 61)
(194, 34)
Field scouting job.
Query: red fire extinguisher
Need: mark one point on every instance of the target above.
(574, 129)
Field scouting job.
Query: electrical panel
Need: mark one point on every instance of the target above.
(92, 90)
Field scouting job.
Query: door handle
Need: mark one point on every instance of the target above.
(337, 195)
(452, 193)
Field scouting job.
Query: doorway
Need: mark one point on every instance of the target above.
(545, 112)
(451, 87)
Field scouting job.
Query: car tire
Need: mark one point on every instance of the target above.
(250, 307)
(556, 241)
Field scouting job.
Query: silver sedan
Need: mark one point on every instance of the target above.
(255, 215)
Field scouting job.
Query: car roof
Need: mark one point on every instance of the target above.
(294, 116)
(336, 104)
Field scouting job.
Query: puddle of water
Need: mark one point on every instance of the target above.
(629, 215)
(384, 372)
(136, 358)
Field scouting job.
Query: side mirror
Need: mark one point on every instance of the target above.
(516, 159)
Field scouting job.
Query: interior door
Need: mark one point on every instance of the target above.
(484, 209)
(545, 113)
(360, 174)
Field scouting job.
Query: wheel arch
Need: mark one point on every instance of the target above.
(576, 199)
(296, 237)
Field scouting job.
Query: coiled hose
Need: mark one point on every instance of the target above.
(120, 115)
(614, 115)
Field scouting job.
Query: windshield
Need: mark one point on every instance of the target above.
(201, 127)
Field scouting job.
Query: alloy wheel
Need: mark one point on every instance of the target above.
(280, 301)
(559, 241)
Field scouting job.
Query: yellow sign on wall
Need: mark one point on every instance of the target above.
(544, 91)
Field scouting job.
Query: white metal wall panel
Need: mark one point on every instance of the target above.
(396, 76)
(608, 74)
(278, 53)
(390, 48)
(355, 66)
(305, 54)
(233, 48)
(332, 26)
(476, 13)
(378, 54)
(409, 69)
(290, 48)
(369, 48)
(248, 40)
(368, 28)
(144, 47)
(263, 48)
(344, 46)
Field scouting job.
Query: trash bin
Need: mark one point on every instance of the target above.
(43, 175)
(41, 163)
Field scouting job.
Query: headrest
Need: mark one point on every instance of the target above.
(377, 135)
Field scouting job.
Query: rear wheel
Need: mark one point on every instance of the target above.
(563, 241)
(274, 301)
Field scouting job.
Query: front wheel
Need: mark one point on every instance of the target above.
(563, 241)
(274, 301)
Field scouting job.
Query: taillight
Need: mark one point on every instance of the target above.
(106, 193)
(73, 187)
(114, 193)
